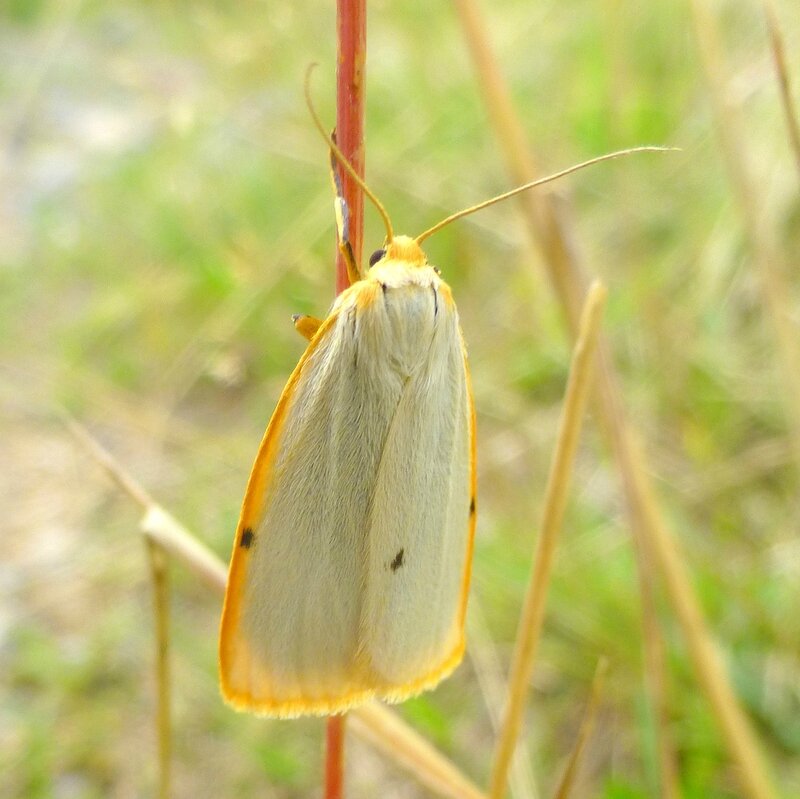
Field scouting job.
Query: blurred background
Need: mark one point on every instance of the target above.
(166, 207)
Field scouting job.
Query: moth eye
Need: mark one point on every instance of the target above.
(376, 256)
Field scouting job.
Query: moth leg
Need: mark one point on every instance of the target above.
(306, 326)
(343, 223)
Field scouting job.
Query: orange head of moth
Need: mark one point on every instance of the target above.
(400, 248)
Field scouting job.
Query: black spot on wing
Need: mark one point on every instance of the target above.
(435, 302)
(247, 538)
(472, 507)
(398, 560)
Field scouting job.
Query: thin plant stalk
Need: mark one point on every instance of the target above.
(782, 72)
(351, 33)
(555, 502)
(334, 757)
(351, 28)
(160, 578)
(553, 236)
(584, 733)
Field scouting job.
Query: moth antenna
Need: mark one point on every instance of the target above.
(540, 181)
(340, 157)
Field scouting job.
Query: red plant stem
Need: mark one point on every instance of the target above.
(334, 757)
(351, 28)
(351, 31)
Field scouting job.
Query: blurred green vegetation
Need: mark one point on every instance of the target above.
(166, 208)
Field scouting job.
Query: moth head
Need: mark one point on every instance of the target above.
(401, 248)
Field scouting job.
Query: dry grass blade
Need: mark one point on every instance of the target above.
(543, 216)
(782, 69)
(160, 578)
(775, 289)
(549, 230)
(490, 673)
(381, 727)
(385, 731)
(112, 467)
(159, 526)
(167, 531)
(708, 665)
(558, 482)
(584, 732)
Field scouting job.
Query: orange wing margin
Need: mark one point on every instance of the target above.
(248, 521)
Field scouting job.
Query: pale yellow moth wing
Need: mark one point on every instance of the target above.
(298, 631)
(422, 512)
(248, 679)
(290, 630)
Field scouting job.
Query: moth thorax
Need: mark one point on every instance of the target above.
(404, 248)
